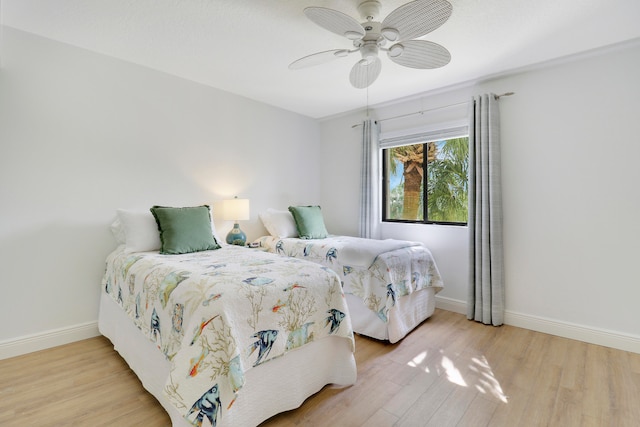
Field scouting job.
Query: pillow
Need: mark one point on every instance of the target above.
(309, 222)
(118, 231)
(184, 230)
(279, 223)
(219, 241)
(139, 229)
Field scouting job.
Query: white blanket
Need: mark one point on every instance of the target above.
(359, 252)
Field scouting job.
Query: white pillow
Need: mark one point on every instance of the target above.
(140, 231)
(279, 223)
(118, 231)
(213, 229)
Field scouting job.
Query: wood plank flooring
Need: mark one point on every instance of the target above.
(447, 372)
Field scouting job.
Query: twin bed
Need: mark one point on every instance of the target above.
(390, 285)
(210, 334)
(228, 336)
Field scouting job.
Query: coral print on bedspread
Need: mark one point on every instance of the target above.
(377, 271)
(216, 314)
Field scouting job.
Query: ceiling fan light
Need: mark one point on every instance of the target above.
(369, 50)
(390, 34)
(353, 35)
(396, 50)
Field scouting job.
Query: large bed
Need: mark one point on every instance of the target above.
(227, 337)
(390, 285)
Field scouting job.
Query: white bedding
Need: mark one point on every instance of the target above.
(359, 252)
(390, 284)
(409, 312)
(218, 316)
(308, 369)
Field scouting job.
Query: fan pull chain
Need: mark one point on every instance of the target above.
(367, 102)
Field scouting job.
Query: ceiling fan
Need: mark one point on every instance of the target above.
(400, 27)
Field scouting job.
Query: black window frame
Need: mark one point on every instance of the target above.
(425, 205)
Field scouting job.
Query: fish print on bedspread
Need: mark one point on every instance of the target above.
(392, 274)
(216, 314)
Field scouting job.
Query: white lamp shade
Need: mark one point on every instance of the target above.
(235, 209)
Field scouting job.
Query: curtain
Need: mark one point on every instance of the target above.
(369, 182)
(485, 302)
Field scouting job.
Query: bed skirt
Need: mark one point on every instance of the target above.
(409, 311)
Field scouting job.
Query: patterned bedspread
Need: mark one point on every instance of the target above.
(216, 314)
(390, 275)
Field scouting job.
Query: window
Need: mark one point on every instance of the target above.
(431, 191)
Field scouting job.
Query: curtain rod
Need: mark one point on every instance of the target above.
(431, 109)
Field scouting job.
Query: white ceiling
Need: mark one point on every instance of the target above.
(245, 46)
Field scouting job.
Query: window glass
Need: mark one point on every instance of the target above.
(405, 167)
(431, 191)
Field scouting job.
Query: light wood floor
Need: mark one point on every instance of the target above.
(448, 372)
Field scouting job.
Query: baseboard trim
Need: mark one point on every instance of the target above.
(450, 304)
(52, 338)
(55, 337)
(590, 335)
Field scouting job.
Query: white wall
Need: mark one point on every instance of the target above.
(571, 179)
(570, 152)
(82, 134)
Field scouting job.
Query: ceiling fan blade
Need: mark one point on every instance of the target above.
(419, 54)
(415, 19)
(318, 58)
(336, 22)
(365, 73)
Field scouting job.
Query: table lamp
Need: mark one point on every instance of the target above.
(236, 210)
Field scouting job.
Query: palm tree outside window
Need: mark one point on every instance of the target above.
(431, 191)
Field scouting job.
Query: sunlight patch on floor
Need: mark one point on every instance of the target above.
(453, 373)
(417, 361)
(463, 371)
(487, 382)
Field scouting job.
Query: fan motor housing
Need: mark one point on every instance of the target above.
(372, 35)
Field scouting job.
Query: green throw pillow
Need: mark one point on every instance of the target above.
(184, 230)
(309, 222)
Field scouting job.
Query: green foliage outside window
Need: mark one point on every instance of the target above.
(446, 172)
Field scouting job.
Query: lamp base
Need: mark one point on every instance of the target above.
(236, 236)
